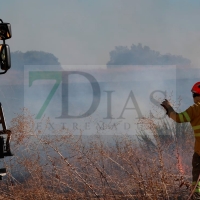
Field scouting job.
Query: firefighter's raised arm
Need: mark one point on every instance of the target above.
(170, 111)
(191, 115)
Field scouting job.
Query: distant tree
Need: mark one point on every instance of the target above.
(139, 55)
(19, 59)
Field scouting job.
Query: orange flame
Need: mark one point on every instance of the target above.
(180, 164)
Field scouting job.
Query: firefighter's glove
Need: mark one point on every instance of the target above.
(167, 106)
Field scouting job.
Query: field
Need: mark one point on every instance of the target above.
(67, 167)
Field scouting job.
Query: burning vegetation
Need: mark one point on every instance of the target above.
(64, 166)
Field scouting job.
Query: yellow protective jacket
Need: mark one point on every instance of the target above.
(192, 115)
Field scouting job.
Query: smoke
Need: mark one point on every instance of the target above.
(12, 83)
(139, 55)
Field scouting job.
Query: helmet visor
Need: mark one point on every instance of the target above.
(195, 95)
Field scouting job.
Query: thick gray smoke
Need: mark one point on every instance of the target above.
(12, 83)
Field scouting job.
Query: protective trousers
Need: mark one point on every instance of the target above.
(195, 175)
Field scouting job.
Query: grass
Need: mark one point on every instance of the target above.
(68, 167)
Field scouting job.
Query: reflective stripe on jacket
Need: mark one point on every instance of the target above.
(192, 115)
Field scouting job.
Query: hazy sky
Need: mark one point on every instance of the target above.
(85, 31)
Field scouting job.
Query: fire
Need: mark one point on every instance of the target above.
(180, 164)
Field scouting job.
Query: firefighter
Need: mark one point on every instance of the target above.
(192, 115)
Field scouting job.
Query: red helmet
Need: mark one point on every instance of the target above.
(196, 88)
